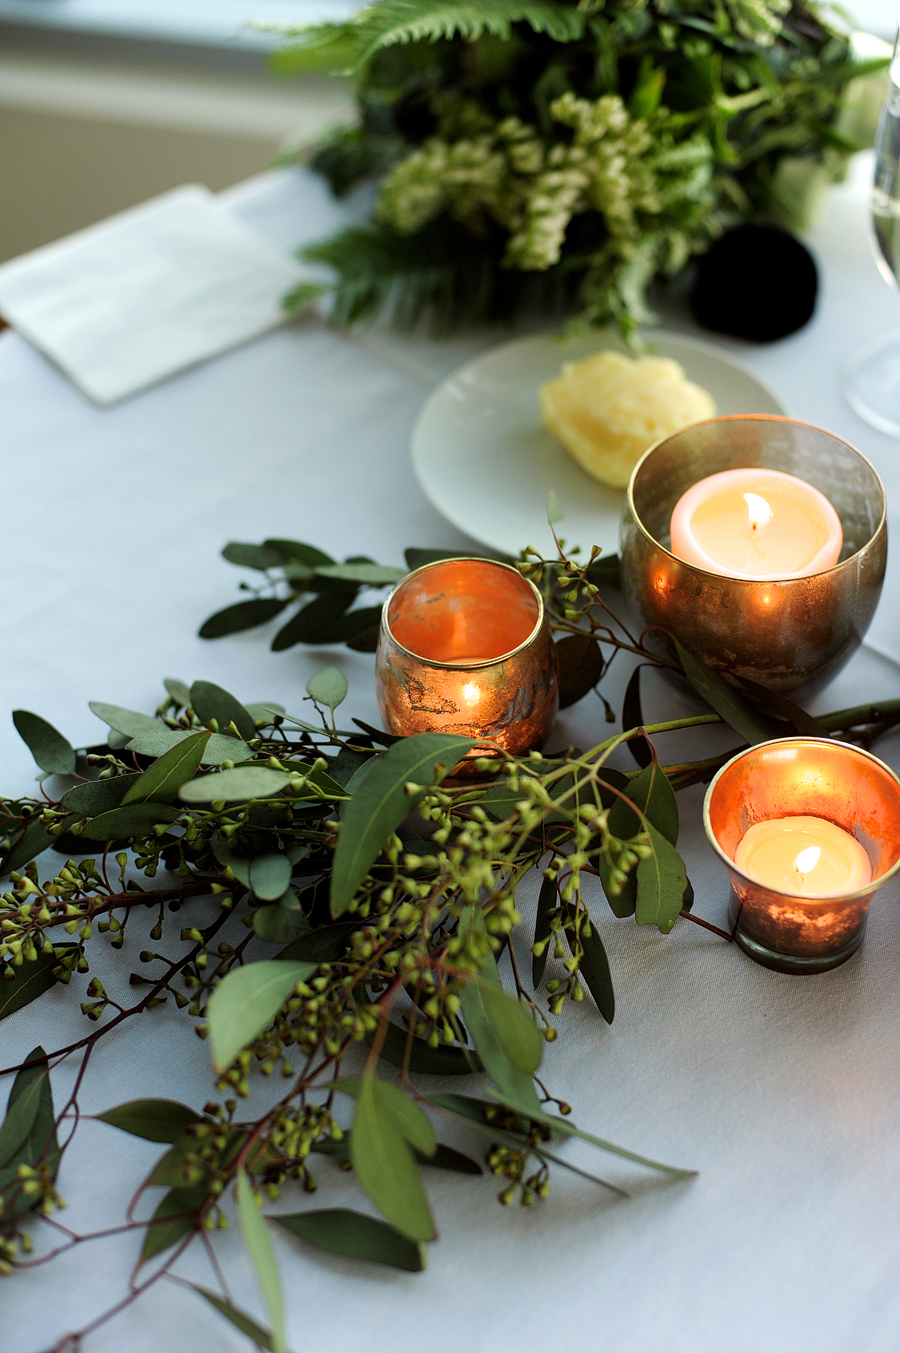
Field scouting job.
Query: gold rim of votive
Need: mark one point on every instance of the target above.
(463, 666)
(846, 749)
(759, 418)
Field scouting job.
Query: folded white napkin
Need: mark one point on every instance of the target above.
(128, 302)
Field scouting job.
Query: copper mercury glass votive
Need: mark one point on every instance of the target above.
(783, 634)
(465, 648)
(813, 777)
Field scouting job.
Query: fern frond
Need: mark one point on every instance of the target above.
(392, 22)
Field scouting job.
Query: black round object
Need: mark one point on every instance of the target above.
(757, 281)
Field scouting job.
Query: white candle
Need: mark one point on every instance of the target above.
(755, 523)
(806, 856)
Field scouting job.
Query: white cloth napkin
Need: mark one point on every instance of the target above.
(128, 302)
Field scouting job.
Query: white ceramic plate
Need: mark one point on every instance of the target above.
(486, 462)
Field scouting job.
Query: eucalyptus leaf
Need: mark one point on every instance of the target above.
(661, 884)
(444, 1060)
(276, 924)
(243, 615)
(209, 702)
(357, 1236)
(178, 692)
(261, 557)
(384, 1163)
(162, 781)
(52, 752)
(651, 793)
(30, 980)
(98, 796)
(633, 717)
(238, 1318)
(259, 1246)
(265, 713)
(246, 1000)
(503, 1031)
(270, 875)
(554, 511)
(303, 553)
(133, 819)
(128, 722)
(174, 1219)
(24, 1102)
(328, 687)
(156, 1120)
(594, 968)
(547, 900)
(31, 841)
(580, 667)
(728, 703)
(370, 575)
(316, 622)
(27, 1137)
(236, 786)
(412, 1122)
(381, 803)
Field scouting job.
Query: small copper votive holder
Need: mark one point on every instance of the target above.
(786, 634)
(465, 648)
(813, 777)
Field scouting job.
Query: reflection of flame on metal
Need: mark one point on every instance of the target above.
(471, 693)
(807, 860)
(758, 511)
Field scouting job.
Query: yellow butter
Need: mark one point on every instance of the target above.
(608, 409)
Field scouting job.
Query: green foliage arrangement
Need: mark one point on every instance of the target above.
(328, 904)
(565, 153)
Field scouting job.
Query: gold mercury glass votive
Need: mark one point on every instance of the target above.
(797, 632)
(465, 648)
(819, 778)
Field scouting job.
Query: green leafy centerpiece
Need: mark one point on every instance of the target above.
(568, 152)
(333, 911)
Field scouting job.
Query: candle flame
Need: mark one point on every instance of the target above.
(758, 511)
(807, 859)
(471, 693)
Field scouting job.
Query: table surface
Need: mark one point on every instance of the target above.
(782, 1092)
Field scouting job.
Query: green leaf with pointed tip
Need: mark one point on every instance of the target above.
(661, 884)
(126, 721)
(178, 691)
(246, 1000)
(411, 1121)
(209, 701)
(546, 902)
(243, 615)
(98, 796)
(654, 796)
(328, 687)
(238, 1318)
(259, 1246)
(237, 786)
(499, 1022)
(156, 1120)
(594, 968)
(30, 842)
(633, 717)
(728, 703)
(174, 1218)
(24, 1103)
(162, 781)
(157, 741)
(304, 554)
(270, 875)
(265, 714)
(29, 981)
(381, 803)
(384, 1163)
(370, 575)
(318, 621)
(133, 819)
(261, 557)
(357, 1236)
(52, 752)
(580, 667)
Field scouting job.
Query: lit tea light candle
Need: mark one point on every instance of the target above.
(756, 523)
(806, 856)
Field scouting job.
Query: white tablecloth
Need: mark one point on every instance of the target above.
(783, 1092)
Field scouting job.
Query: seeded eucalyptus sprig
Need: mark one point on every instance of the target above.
(328, 904)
